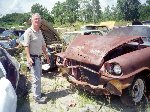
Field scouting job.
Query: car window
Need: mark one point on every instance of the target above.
(68, 37)
(96, 33)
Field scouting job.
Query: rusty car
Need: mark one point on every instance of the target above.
(68, 37)
(103, 28)
(115, 64)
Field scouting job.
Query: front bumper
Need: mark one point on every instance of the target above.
(108, 87)
(93, 89)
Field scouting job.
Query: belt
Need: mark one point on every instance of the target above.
(35, 56)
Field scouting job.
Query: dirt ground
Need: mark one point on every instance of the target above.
(62, 98)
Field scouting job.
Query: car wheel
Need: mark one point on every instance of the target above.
(134, 94)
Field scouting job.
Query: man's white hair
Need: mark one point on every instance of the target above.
(35, 14)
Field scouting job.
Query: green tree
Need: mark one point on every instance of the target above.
(145, 11)
(107, 13)
(72, 10)
(37, 8)
(65, 12)
(86, 11)
(148, 2)
(14, 19)
(128, 9)
(59, 12)
(96, 10)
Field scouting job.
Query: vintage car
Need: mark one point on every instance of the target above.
(68, 37)
(116, 64)
(5, 44)
(2, 29)
(8, 99)
(10, 67)
(8, 33)
(102, 28)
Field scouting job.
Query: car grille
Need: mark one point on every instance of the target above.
(87, 73)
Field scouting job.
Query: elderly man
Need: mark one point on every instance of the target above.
(34, 47)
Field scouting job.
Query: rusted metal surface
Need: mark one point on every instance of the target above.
(90, 62)
(137, 64)
(92, 51)
(88, 86)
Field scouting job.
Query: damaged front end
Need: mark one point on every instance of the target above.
(89, 78)
(93, 65)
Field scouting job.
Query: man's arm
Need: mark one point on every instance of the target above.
(45, 53)
(29, 59)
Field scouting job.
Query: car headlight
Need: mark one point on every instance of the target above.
(117, 69)
(59, 59)
(114, 68)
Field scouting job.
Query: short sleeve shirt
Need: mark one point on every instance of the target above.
(34, 40)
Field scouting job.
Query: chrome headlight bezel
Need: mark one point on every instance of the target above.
(114, 69)
(59, 59)
(117, 69)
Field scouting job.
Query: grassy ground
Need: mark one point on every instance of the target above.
(62, 98)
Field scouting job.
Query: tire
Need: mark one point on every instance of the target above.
(135, 93)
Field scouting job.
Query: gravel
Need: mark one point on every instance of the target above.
(60, 98)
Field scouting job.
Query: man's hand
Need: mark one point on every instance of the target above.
(47, 58)
(30, 61)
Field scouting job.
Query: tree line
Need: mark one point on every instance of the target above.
(85, 11)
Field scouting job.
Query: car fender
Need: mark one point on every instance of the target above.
(8, 99)
(134, 62)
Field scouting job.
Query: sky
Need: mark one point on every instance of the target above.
(22, 6)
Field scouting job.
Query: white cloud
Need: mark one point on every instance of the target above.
(22, 6)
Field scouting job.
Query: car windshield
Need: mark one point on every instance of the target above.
(142, 31)
(68, 37)
(93, 33)
(94, 27)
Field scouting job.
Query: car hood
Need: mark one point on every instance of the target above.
(91, 49)
(49, 33)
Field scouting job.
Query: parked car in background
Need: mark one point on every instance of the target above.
(8, 99)
(18, 32)
(2, 29)
(68, 37)
(102, 28)
(10, 33)
(146, 22)
(115, 64)
(5, 44)
(11, 67)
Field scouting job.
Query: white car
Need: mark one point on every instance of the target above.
(8, 99)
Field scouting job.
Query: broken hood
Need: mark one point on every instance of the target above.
(91, 48)
(49, 33)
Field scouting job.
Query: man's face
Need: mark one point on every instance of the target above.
(36, 21)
